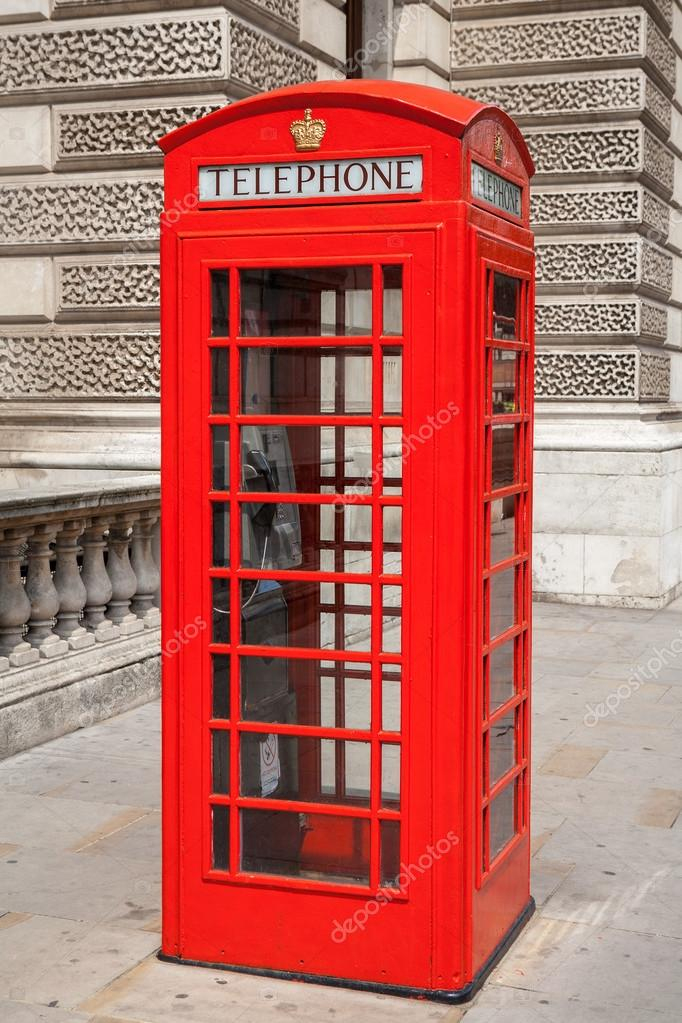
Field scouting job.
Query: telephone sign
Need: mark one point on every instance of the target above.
(397, 175)
(347, 350)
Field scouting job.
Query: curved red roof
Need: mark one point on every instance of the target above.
(446, 111)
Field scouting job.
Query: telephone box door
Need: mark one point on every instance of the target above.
(303, 361)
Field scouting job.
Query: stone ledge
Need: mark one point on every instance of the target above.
(46, 700)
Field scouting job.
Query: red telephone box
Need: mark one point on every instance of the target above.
(347, 282)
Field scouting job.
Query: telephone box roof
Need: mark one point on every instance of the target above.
(443, 110)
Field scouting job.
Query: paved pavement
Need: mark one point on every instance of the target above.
(79, 860)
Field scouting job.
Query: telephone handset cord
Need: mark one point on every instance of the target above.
(255, 589)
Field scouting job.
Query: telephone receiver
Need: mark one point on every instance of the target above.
(271, 532)
(259, 475)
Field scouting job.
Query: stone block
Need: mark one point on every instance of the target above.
(55, 59)
(84, 365)
(323, 29)
(568, 40)
(421, 38)
(559, 98)
(26, 290)
(82, 211)
(623, 567)
(98, 133)
(25, 139)
(558, 564)
(24, 10)
(598, 504)
(419, 75)
(99, 283)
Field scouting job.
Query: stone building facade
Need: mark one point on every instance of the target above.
(86, 86)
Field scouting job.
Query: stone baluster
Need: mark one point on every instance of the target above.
(42, 593)
(144, 567)
(156, 554)
(15, 607)
(97, 583)
(122, 576)
(69, 585)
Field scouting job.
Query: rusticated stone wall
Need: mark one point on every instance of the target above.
(594, 91)
(86, 88)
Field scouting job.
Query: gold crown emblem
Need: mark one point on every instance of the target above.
(498, 148)
(309, 132)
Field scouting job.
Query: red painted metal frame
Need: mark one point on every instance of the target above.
(438, 934)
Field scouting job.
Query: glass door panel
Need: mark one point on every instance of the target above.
(305, 530)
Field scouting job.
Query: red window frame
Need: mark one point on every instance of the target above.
(519, 562)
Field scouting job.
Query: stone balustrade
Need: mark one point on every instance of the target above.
(78, 570)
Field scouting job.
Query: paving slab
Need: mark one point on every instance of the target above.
(157, 992)
(79, 862)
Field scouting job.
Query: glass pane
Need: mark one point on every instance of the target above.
(220, 859)
(505, 307)
(502, 820)
(221, 534)
(393, 299)
(484, 765)
(502, 755)
(220, 454)
(390, 777)
(300, 302)
(390, 698)
(302, 613)
(504, 369)
(346, 771)
(320, 847)
(502, 602)
(334, 694)
(392, 463)
(313, 537)
(501, 667)
(304, 768)
(392, 619)
(393, 381)
(503, 461)
(502, 529)
(393, 540)
(221, 611)
(389, 834)
(220, 303)
(307, 459)
(220, 664)
(220, 763)
(306, 381)
(220, 381)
